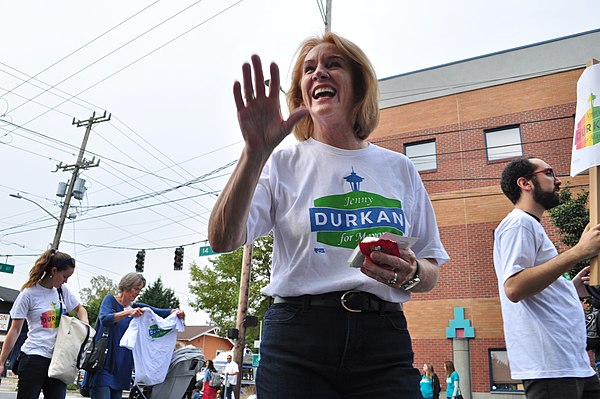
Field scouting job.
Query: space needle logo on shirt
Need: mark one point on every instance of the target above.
(343, 220)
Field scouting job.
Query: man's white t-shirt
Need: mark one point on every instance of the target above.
(320, 201)
(545, 334)
(232, 368)
(40, 306)
(152, 340)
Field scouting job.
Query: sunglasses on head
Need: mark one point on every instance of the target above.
(67, 261)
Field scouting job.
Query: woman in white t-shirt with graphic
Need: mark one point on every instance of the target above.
(42, 299)
(320, 198)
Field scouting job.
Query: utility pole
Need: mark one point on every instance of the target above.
(80, 164)
(242, 312)
(328, 16)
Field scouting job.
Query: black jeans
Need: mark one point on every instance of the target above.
(563, 388)
(335, 354)
(33, 379)
(593, 344)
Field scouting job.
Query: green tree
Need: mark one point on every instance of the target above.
(158, 296)
(216, 287)
(92, 297)
(571, 217)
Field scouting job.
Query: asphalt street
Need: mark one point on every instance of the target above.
(8, 390)
(13, 394)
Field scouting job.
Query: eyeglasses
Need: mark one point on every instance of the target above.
(548, 172)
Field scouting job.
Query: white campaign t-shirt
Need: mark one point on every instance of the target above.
(152, 340)
(545, 334)
(320, 201)
(41, 308)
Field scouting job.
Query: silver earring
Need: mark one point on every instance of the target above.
(50, 276)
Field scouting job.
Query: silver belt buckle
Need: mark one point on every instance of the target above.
(343, 301)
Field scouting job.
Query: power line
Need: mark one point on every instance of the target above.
(135, 248)
(111, 214)
(109, 53)
(104, 158)
(77, 50)
(136, 60)
(39, 103)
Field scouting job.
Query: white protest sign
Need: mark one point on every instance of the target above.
(586, 151)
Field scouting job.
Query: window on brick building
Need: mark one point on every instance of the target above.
(500, 372)
(422, 154)
(503, 143)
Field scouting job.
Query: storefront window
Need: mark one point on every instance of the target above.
(500, 372)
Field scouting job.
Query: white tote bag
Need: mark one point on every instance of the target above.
(73, 335)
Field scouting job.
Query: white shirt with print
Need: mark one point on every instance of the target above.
(41, 308)
(152, 340)
(320, 201)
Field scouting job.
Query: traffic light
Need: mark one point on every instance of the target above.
(178, 263)
(139, 261)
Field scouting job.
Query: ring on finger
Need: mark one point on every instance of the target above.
(249, 96)
(393, 280)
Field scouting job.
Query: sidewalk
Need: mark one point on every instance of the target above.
(9, 384)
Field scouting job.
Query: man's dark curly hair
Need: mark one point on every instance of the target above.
(521, 167)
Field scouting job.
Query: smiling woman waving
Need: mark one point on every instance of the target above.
(320, 198)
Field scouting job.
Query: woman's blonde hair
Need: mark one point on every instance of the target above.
(365, 115)
(44, 264)
(429, 371)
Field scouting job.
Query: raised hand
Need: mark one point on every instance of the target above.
(259, 114)
(589, 242)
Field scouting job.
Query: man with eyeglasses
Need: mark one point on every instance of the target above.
(544, 324)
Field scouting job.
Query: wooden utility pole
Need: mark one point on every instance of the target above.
(242, 312)
(80, 164)
(328, 16)
(594, 207)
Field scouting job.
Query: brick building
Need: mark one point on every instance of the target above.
(460, 123)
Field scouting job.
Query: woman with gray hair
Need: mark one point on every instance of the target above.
(116, 312)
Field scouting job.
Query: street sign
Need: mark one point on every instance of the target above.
(6, 268)
(205, 251)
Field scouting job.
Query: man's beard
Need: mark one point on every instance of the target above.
(546, 199)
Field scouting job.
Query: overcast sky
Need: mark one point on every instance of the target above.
(165, 70)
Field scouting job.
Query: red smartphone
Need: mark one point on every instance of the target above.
(381, 245)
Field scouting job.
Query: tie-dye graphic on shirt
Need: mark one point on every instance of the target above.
(51, 318)
(343, 220)
(154, 331)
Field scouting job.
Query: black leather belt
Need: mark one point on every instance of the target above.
(352, 301)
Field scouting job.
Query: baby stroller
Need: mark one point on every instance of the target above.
(185, 363)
